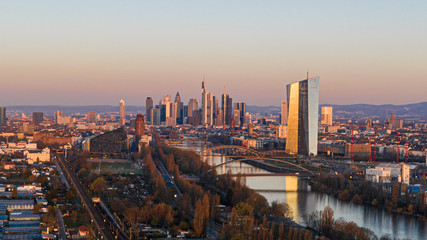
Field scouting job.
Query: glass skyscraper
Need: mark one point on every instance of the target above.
(2, 115)
(303, 108)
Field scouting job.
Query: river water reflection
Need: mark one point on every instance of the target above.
(281, 189)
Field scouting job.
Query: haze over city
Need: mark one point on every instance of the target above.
(87, 53)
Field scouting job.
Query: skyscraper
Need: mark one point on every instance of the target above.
(204, 104)
(122, 112)
(58, 114)
(241, 107)
(209, 109)
(155, 116)
(227, 108)
(2, 115)
(284, 115)
(37, 117)
(148, 107)
(139, 125)
(303, 109)
(179, 109)
(326, 116)
(192, 106)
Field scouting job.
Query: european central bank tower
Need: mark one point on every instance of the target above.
(303, 109)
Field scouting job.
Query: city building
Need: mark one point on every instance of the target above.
(2, 115)
(326, 116)
(284, 113)
(37, 156)
(26, 128)
(303, 107)
(139, 125)
(388, 172)
(155, 116)
(281, 131)
(241, 107)
(110, 142)
(192, 106)
(37, 117)
(148, 107)
(122, 112)
(204, 104)
(91, 116)
(227, 108)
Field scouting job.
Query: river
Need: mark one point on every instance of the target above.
(283, 189)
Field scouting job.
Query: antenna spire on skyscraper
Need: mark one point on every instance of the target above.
(203, 83)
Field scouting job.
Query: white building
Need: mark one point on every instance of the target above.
(387, 172)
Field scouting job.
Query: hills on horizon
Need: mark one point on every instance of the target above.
(351, 111)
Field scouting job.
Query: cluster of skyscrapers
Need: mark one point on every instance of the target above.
(210, 113)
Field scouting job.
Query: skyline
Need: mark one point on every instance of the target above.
(98, 53)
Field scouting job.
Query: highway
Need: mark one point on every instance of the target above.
(106, 228)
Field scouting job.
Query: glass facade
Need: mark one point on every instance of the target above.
(303, 104)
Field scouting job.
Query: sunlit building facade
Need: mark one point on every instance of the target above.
(303, 107)
(2, 115)
(326, 116)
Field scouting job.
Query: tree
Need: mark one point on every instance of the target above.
(281, 210)
(98, 185)
(14, 192)
(198, 221)
(395, 196)
(71, 194)
(74, 216)
(327, 220)
(357, 199)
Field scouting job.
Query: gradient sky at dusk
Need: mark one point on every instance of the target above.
(97, 52)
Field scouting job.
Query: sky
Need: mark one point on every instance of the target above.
(98, 52)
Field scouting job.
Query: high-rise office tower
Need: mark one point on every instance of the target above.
(326, 116)
(148, 107)
(58, 115)
(37, 117)
(180, 113)
(303, 109)
(122, 112)
(236, 117)
(204, 104)
(227, 108)
(91, 116)
(179, 109)
(242, 112)
(155, 116)
(171, 119)
(2, 115)
(139, 125)
(209, 109)
(192, 106)
(284, 115)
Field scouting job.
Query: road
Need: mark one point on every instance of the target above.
(168, 178)
(106, 228)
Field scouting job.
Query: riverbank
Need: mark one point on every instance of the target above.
(391, 198)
